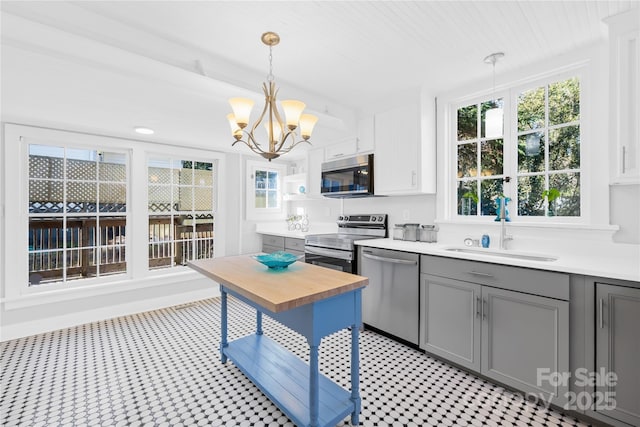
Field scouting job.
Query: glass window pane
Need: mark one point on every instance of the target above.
(203, 178)
(183, 198)
(203, 199)
(568, 202)
(467, 161)
(531, 152)
(159, 171)
(159, 198)
(81, 196)
(261, 180)
(112, 167)
(467, 198)
(564, 148)
(261, 199)
(81, 170)
(531, 109)
(564, 101)
(272, 197)
(490, 189)
(468, 122)
(113, 197)
(204, 240)
(489, 105)
(46, 162)
(185, 172)
(491, 157)
(530, 200)
(273, 180)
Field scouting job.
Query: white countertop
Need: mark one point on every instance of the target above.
(280, 229)
(616, 261)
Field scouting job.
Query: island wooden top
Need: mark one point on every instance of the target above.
(278, 290)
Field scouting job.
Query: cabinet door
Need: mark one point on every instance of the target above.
(366, 134)
(342, 149)
(524, 336)
(315, 158)
(618, 350)
(397, 151)
(450, 319)
(624, 75)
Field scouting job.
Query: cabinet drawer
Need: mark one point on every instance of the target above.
(294, 244)
(538, 282)
(273, 241)
(270, 249)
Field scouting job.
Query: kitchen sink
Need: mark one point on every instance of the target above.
(504, 254)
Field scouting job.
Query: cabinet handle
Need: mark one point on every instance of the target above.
(338, 155)
(478, 273)
(484, 309)
(413, 178)
(601, 313)
(478, 307)
(624, 159)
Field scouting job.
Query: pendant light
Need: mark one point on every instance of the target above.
(494, 117)
(281, 134)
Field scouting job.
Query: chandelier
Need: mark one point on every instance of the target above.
(281, 134)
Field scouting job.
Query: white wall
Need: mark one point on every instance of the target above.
(625, 212)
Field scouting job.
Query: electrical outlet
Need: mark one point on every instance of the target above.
(405, 214)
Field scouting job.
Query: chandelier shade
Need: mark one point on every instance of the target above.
(281, 133)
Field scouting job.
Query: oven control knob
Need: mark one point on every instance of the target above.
(346, 218)
(373, 219)
(340, 218)
(380, 218)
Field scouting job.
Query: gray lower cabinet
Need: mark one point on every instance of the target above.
(618, 351)
(450, 325)
(272, 244)
(487, 326)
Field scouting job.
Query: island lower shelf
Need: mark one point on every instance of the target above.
(284, 378)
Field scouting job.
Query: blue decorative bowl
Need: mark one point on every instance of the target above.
(277, 260)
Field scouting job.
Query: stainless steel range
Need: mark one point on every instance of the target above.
(337, 251)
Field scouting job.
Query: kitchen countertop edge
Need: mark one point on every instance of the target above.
(590, 266)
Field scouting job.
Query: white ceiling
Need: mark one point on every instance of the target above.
(172, 64)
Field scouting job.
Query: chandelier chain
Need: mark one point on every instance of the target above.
(270, 75)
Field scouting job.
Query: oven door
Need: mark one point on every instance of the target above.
(330, 258)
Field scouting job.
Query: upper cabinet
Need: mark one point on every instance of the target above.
(624, 71)
(405, 141)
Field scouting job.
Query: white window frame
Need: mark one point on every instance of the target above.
(263, 214)
(510, 167)
(15, 219)
(216, 178)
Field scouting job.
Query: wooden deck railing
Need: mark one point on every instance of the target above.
(84, 258)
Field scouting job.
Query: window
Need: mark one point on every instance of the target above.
(549, 150)
(264, 190)
(540, 150)
(77, 213)
(181, 211)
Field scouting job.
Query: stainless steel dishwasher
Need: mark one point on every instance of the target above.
(391, 301)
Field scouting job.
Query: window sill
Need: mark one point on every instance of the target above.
(153, 279)
(487, 221)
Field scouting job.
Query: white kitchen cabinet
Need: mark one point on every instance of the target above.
(504, 334)
(342, 149)
(624, 109)
(404, 149)
(618, 350)
(366, 134)
(315, 157)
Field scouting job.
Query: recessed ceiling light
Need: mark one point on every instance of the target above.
(144, 131)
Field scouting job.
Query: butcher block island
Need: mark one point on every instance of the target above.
(313, 301)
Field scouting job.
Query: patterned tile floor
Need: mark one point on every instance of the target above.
(161, 368)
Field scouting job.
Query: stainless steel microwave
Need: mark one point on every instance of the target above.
(350, 177)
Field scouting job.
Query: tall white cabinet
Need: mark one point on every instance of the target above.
(624, 112)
